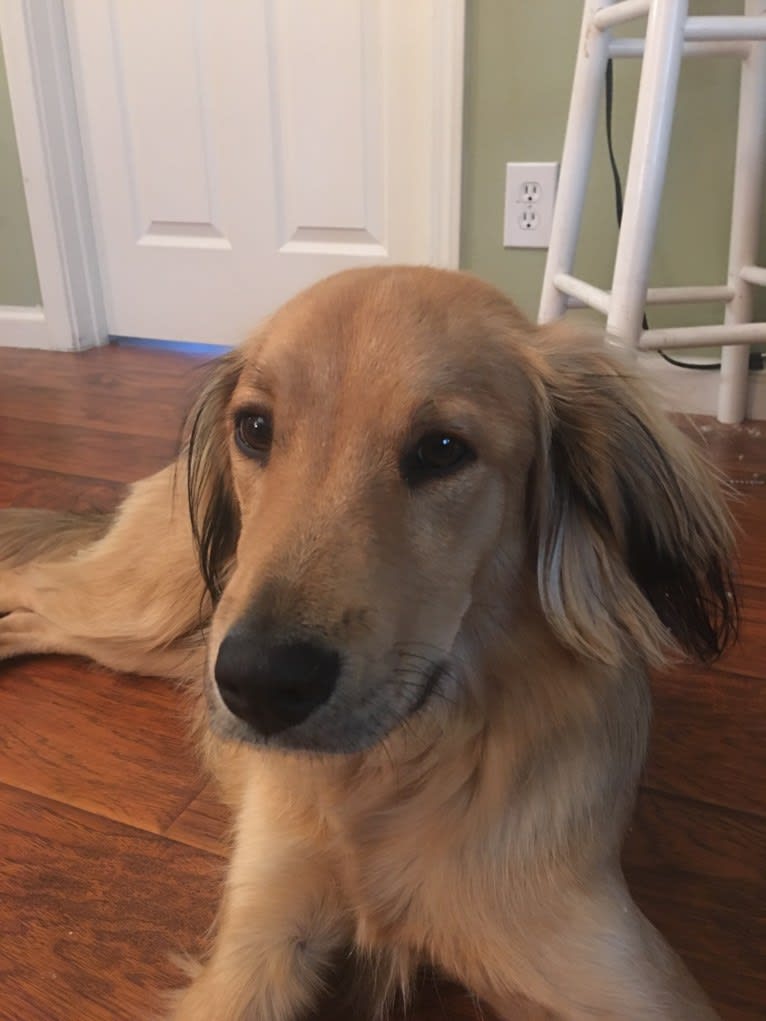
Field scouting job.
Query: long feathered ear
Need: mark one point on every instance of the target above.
(634, 537)
(212, 506)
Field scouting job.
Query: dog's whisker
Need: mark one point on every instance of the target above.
(411, 646)
(436, 692)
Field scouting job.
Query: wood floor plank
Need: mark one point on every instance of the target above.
(112, 745)
(751, 554)
(739, 452)
(203, 823)
(35, 487)
(709, 738)
(677, 834)
(699, 873)
(102, 366)
(748, 655)
(721, 945)
(126, 414)
(90, 910)
(109, 371)
(733, 448)
(76, 451)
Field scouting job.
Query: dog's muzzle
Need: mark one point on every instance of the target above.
(274, 686)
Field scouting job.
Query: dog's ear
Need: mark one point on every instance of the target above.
(212, 506)
(633, 536)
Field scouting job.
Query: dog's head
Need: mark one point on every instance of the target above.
(399, 456)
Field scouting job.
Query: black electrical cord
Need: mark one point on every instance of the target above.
(707, 366)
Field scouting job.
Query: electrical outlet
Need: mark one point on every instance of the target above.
(530, 191)
(528, 219)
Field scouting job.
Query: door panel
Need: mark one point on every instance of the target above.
(238, 151)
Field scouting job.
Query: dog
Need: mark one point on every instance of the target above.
(413, 564)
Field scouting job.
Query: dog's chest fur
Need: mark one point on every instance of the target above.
(404, 839)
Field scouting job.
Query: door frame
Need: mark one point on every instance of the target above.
(72, 314)
(43, 100)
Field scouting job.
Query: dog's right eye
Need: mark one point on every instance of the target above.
(435, 455)
(254, 432)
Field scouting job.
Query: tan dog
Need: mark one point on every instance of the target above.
(439, 548)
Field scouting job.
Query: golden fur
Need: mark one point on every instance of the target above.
(460, 797)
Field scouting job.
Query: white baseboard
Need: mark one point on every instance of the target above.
(22, 326)
(696, 393)
(29, 327)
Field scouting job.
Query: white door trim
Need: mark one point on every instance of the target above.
(447, 114)
(45, 116)
(37, 53)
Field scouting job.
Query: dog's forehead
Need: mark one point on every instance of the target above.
(413, 332)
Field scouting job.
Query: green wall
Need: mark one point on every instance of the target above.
(519, 66)
(18, 272)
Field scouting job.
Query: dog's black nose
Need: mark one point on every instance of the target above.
(273, 687)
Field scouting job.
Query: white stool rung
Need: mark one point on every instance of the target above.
(635, 48)
(720, 27)
(619, 13)
(585, 295)
(702, 336)
(754, 275)
(689, 295)
(697, 29)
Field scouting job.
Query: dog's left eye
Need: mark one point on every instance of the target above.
(253, 433)
(435, 455)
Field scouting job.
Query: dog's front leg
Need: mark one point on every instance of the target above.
(132, 599)
(280, 925)
(584, 954)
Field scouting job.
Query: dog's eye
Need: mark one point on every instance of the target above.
(253, 433)
(435, 455)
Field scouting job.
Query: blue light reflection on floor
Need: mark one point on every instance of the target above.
(180, 346)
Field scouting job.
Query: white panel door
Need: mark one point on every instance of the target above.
(237, 150)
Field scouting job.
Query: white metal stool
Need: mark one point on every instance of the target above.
(671, 34)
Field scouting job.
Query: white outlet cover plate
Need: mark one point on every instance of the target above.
(521, 179)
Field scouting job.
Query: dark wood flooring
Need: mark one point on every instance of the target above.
(111, 851)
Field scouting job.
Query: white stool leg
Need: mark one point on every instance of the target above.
(745, 220)
(646, 171)
(592, 55)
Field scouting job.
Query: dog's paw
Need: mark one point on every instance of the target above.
(192, 1004)
(11, 591)
(22, 633)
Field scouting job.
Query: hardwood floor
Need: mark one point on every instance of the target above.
(111, 845)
